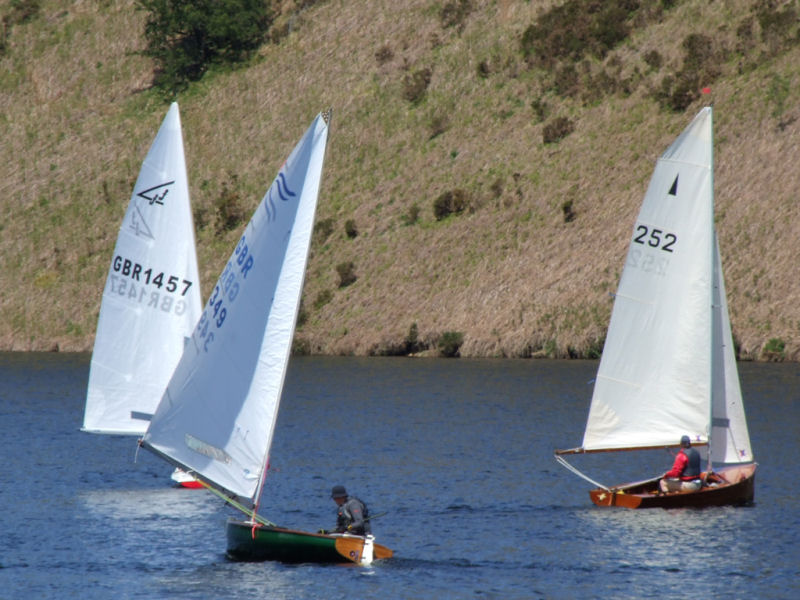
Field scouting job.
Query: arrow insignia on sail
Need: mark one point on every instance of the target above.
(153, 195)
(673, 191)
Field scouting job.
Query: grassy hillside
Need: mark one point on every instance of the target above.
(429, 97)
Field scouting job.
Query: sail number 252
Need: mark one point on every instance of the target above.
(655, 238)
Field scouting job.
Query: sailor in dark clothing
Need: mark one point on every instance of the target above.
(685, 473)
(352, 515)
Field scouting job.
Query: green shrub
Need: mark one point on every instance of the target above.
(653, 59)
(774, 350)
(415, 85)
(577, 28)
(701, 65)
(450, 342)
(557, 129)
(322, 230)
(777, 93)
(322, 299)
(455, 12)
(497, 188)
(412, 216)
(439, 124)
(384, 54)
(568, 210)
(412, 343)
(448, 203)
(17, 12)
(350, 229)
(778, 25)
(185, 37)
(20, 11)
(540, 109)
(228, 206)
(347, 273)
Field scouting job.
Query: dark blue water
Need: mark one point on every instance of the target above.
(457, 452)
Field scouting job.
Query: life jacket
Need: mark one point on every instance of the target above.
(692, 470)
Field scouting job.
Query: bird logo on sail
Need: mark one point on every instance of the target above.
(139, 225)
(280, 187)
(156, 194)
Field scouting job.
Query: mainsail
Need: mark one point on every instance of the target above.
(654, 380)
(151, 300)
(218, 413)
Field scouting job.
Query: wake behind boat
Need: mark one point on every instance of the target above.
(668, 367)
(217, 417)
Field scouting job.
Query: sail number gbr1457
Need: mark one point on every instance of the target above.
(224, 295)
(137, 282)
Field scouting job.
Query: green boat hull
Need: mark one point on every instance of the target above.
(247, 542)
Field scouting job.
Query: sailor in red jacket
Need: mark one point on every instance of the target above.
(684, 476)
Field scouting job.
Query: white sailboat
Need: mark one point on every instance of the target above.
(668, 367)
(151, 300)
(218, 414)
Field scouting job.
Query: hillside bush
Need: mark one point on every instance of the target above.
(322, 230)
(412, 343)
(455, 12)
(577, 28)
(185, 37)
(322, 299)
(450, 202)
(416, 84)
(778, 22)
(568, 210)
(701, 66)
(350, 229)
(384, 54)
(450, 343)
(774, 350)
(557, 129)
(412, 216)
(347, 273)
(17, 12)
(228, 205)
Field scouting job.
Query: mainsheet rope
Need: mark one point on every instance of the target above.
(569, 467)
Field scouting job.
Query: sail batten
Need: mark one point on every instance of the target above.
(151, 299)
(218, 414)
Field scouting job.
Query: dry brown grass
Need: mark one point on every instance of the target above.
(509, 273)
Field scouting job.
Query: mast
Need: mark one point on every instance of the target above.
(712, 257)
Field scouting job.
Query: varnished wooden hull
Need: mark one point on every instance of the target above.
(247, 542)
(738, 487)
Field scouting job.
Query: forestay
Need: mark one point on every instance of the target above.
(218, 413)
(654, 380)
(151, 300)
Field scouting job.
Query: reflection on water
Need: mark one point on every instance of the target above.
(169, 502)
